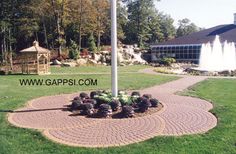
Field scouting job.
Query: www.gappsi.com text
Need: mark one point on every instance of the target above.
(58, 82)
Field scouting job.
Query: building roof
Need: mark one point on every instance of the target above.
(35, 49)
(226, 32)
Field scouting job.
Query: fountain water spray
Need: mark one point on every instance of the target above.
(218, 56)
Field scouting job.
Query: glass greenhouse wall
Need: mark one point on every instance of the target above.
(182, 53)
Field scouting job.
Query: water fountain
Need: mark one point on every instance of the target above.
(217, 57)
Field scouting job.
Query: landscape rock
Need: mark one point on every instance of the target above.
(56, 62)
(81, 62)
(69, 64)
(91, 61)
(97, 57)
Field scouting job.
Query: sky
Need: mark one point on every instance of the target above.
(204, 13)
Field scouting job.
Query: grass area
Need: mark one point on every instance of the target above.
(12, 96)
(220, 140)
(95, 69)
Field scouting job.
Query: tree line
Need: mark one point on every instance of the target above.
(58, 23)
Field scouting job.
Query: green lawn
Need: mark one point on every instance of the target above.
(95, 69)
(222, 139)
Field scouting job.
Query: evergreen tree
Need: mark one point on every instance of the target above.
(73, 50)
(140, 12)
(91, 43)
(186, 27)
(167, 27)
(122, 19)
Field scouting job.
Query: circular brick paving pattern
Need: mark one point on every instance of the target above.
(181, 115)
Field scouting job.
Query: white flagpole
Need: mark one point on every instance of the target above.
(114, 48)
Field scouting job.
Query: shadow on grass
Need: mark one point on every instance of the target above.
(18, 74)
(36, 110)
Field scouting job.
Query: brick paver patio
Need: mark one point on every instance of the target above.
(181, 115)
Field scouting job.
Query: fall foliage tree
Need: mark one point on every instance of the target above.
(55, 22)
(102, 11)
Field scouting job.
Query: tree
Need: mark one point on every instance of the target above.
(139, 14)
(167, 27)
(91, 43)
(122, 19)
(73, 50)
(186, 27)
(42, 13)
(84, 18)
(60, 10)
(55, 22)
(8, 13)
(102, 11)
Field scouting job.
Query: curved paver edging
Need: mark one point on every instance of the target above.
(181, 115)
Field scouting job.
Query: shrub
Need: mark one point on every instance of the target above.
(125, 100)
(83, 95)
(121, 92)
(73, 50)
(91, 43)
(128, 111)
(2, 72)
(148, 96)
(76, 105)
(91, 101)
(135, 93)
(105, 110)
(77, 98)
(115, 105)
(154, 102)
(107, 93)
(164, 70)
(102, 100)
(167, 61)
(144, 104)
(93, 94)
(135, 101)
(106, 103)
(84, 53)
(87, 109)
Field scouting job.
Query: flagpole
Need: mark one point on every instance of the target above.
(114, 48)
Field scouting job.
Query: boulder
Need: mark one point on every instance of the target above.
(56, 62)
(105, 52)
(108, 59)
(122, 64)
(97, 57)
(103, 59)
(81, 62)
(93, 62)
(120, 57)
(69, 64)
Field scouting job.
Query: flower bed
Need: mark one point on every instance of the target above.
(101, 104)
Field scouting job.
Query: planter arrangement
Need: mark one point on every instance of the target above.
(103, 105)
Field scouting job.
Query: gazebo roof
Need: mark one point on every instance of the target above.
(35, 49)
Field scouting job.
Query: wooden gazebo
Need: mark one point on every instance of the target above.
(35, 60)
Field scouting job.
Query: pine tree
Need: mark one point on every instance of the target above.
(186, 27)
(91, 43)
(140, 12)
(73, 50)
